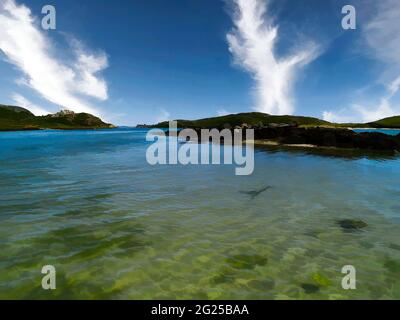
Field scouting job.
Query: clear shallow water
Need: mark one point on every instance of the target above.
(117, 228)
(391, 132)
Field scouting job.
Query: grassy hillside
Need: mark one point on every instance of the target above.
(257, 118)
(392, 122)
(253, 119)
(16, 118)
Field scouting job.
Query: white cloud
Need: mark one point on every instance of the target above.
(21, 101)
(338, 117)
(222, 112)
(252, 43)
(164, 115)
(88, 65)
(383, 110)
(381, 33)
(57, 80)
(394, 86)
(361, 113)
(382, 42)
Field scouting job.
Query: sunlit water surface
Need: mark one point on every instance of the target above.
(115, 227)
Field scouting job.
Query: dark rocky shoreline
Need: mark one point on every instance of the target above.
(292, 135)
(329, 137)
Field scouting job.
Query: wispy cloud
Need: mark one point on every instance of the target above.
(21, 101)
(361, 112)
(63, 82)
(381, 33)
(340, 116)
(222, 112)
(163, 115)
(381, 38)
(252, 43)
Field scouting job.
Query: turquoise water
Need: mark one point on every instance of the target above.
(392, 132)
(116, 228)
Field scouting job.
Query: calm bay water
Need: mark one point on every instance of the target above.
(392, 132)
(114, 227)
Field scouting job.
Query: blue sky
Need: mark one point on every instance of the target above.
(146, 61)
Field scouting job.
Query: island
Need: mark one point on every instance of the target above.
(299, 131)
(13, 118)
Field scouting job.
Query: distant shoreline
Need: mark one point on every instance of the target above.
(56, 129)
(318, 137)
(374, 129)
(13, 118)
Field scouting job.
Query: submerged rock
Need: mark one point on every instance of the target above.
(309, 288)
(351, 224)
(246, 261)
(255, 193)
(394, 246)
(224, 276)
(392, 266)
(262, 285)
(321, 280)
(313, 233)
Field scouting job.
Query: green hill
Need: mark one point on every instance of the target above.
(392, 122)
(258, 118)
(14, 118)
(252, 118)
(17, 118)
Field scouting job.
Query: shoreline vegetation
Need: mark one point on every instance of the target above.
(258, 119)
(14, 118)
(301, 132)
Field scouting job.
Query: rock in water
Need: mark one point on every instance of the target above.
(256, 193)
(310, 288)
(350, 224)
